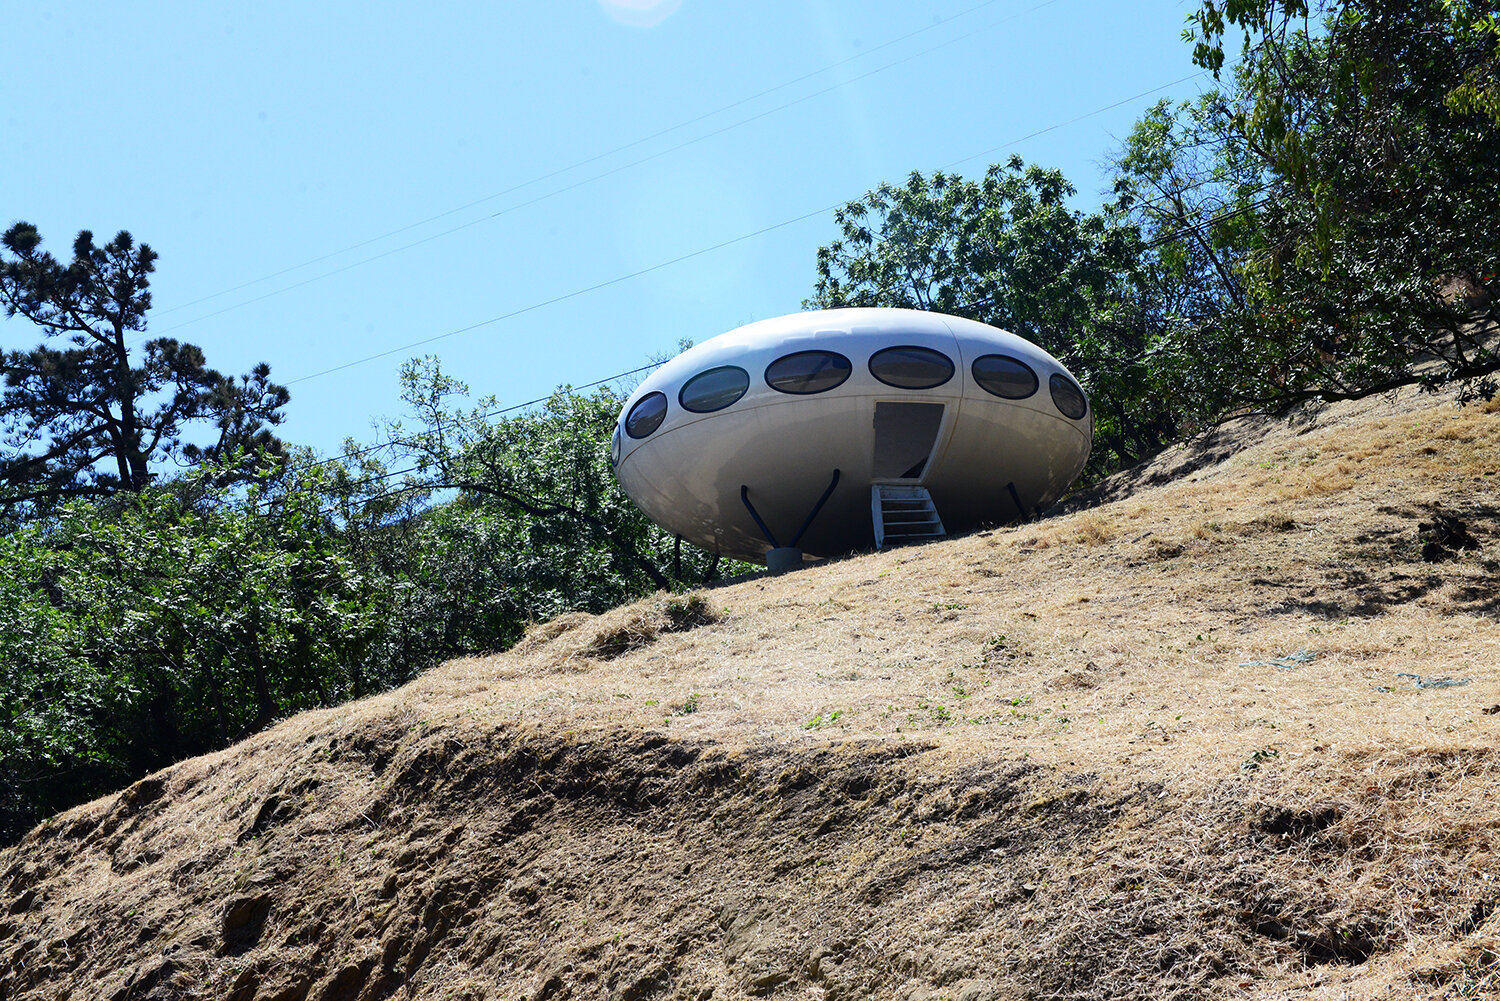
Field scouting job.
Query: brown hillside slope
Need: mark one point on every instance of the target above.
(1036, 762)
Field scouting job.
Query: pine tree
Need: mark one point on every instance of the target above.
(84, 414)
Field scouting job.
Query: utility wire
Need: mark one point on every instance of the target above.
(1196, 226)
(561, 298)
(973, 304)
(585, 161)
(576, 184)
(700, 252)
(498, 411)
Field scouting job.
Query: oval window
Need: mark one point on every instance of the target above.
(911, 367)
(714, 390)
(646, 416)
(1068, 397)
(1004, 376)
(808, 372)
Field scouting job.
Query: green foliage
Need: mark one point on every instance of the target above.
(1319, 229)
(50, 695)
(149, 627)
(538, 489)
(80, 416)
(1191, 189)
(1007, 250)
(1375, 120)
(1188, 185)
(142, 632)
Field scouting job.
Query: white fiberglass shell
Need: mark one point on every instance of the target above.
(977, 453)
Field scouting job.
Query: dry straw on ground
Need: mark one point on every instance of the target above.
(1228, 734)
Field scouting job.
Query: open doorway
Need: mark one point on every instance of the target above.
(905, 434)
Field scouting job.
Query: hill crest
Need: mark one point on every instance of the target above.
(1229, 732)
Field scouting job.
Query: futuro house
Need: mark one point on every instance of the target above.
(829, 432)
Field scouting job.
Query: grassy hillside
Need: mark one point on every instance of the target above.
(1229, 733)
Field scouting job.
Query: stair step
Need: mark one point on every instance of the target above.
(903, 514)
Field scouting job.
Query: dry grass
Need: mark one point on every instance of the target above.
(1056, 760)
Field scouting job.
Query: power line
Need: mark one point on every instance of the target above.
(331, 460)
(582, 163)
(595, 177)
(561, 298)
(973, 304)
(1051, 128)
(697, 253)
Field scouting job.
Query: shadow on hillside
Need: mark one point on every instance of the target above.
(1482, 597)
(1177, 461)
(763, 574)
(1356, 594)
(1409, 561)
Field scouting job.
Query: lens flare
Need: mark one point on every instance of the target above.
(640, 13)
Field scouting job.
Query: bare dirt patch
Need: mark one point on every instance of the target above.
(1228, 734)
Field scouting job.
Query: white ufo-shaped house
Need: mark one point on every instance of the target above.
(835, 431)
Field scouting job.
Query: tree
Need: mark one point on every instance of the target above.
(1007, 250)
(149, 629)
(1184, 181)
(539, 499)
(79, 415)
(1377, 124)
(1006, 245)
(50, 697)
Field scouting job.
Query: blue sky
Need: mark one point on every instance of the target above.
(325, 182)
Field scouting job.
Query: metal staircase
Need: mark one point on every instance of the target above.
(903, 514)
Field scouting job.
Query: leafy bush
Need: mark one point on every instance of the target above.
(146, 630)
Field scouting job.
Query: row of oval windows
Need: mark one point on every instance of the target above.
(808, 372)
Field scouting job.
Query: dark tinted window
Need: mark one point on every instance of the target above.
(1068, 397)
(911, 368)
(714, 390)
(646, 416)
(808, 372)
(1005, 376)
